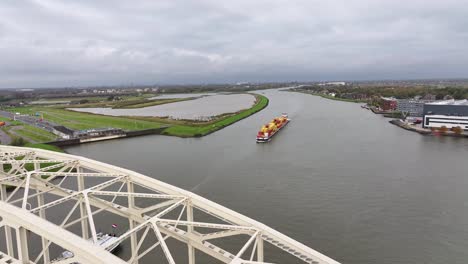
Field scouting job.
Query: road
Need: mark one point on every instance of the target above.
(5, 139)
(30, 120)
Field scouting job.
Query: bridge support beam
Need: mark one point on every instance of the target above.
(8, 237)
(132, 223)
(22, 245)
(45, 242)
(42, 214)
(260, 252)
(191, 249)
(83, 212)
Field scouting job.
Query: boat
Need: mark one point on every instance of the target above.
(269, 130)
(103, 240)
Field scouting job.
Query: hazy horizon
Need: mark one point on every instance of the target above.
(50, 43)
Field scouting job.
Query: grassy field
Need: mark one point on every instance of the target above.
(44, 146)
(77, 120)
(35, 134)
(9, 121)
(181, 128)
(198, 130)
(28, 133)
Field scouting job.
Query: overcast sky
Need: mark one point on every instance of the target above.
(107, 42)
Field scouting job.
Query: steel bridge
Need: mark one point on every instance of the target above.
(54, 202)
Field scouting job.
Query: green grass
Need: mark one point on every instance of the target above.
(35, 134)
(77, 120)
(205, 129)
(44, 146)
(342, 99)
(9, 121)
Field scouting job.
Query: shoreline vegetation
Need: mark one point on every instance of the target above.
(328, 96)
(80, 120)
(369, 92)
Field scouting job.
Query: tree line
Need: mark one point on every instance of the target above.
(399, 92)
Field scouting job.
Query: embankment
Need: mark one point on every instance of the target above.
(136, 133)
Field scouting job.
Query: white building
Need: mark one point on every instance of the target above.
(438, 121)
(449, 113)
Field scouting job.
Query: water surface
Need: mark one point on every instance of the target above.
(338, 178)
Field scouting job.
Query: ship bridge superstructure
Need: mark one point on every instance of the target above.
(54, 202)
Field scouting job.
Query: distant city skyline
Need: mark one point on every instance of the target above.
(51, 43)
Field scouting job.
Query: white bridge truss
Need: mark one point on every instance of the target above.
(54, 202)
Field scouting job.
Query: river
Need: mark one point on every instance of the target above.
(338, 178)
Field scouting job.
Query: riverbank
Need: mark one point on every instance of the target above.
(193, 130)
(330, 97)
(133, 126)
(409, 127)
(45, 147)
(126, 134)
(395, 115)
(203, 129)
(424, 131)
(129, 104)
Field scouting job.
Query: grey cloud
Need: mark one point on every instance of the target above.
(58, 43)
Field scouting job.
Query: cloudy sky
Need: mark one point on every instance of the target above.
(105, 42)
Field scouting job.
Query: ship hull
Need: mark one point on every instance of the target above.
(267, 139)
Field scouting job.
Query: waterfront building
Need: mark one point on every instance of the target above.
(388, 104)
(98, 132)
(411, 107)
(448, 113)
(63, 132)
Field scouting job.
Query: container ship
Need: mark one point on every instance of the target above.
(269, 130)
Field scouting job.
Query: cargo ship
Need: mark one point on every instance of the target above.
(269, 130)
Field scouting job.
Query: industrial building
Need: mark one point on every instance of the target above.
(448, 113)
(412, 107)
(98, 132)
